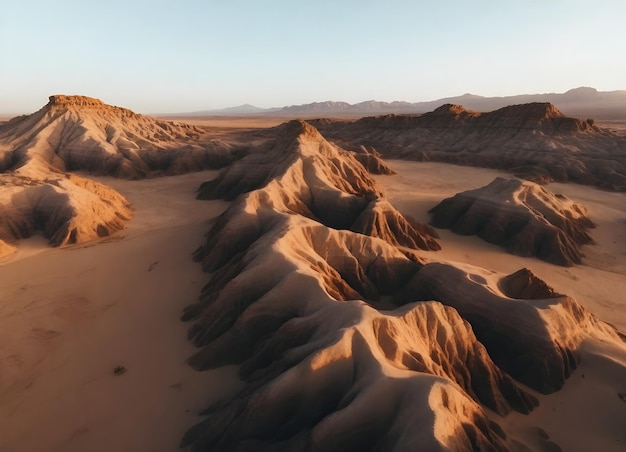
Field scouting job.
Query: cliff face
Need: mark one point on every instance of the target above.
(534, 141)
(61, 102)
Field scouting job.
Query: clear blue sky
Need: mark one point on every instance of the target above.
(186, 55)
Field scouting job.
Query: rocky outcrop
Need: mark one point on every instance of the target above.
(284, 303)
(81, 133)
(534, 141)
(65, 208)
(523, 217)
(523, 284)
(361, 380)
(62, 100)
(372, 161)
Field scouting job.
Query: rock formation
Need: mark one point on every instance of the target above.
(534, 141)
(81, 133)
(65, 208)
(523, 217)
(346, 338)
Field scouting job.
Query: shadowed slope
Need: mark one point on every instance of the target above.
(523, 217)
(535, 340)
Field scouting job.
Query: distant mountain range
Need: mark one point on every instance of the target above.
(578, 102)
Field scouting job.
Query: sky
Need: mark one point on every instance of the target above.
(189, 55)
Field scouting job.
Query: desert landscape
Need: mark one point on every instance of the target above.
(452, 280)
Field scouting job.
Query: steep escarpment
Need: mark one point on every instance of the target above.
(346, 338)
(535, 141)
(523, 217)
(81, 133)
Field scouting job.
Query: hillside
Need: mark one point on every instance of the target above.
(78, 133)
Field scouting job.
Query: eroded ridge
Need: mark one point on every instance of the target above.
(349, 340)
(285, 303)
(303, 174)
(523, 217)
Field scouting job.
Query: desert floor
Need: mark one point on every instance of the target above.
(69, 316)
